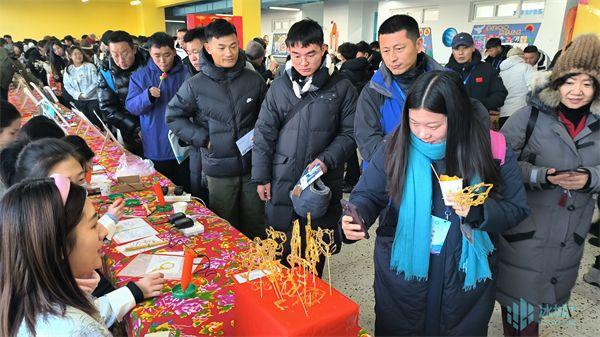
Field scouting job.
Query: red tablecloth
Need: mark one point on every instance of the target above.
(210, 312)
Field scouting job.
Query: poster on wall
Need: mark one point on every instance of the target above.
(425, 33)
(199, 19)
(278, 46)
(520, 35)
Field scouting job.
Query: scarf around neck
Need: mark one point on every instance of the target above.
(412, 242)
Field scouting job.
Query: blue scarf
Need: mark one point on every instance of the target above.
(411, 248)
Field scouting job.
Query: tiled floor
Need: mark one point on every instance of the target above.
(352, 274)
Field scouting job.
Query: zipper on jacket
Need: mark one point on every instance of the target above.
(235, 127)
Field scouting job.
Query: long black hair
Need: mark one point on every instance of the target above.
(468, 148)
(39, 157)
(38, 233)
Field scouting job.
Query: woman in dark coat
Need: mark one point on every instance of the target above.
(445, 285)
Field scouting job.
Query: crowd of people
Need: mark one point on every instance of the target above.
(410, 118)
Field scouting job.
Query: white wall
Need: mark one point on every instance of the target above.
(456, 14)
(354, 18)
(268, 16)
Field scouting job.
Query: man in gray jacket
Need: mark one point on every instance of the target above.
(212, 111)
(320, 132)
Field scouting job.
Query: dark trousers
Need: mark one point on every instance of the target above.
(88, 108)
(198, 187)
(532, 329)
(235, 199)
(4, 94)
(179, 174)
(352, 170)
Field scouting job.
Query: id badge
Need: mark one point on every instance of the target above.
(439, 231)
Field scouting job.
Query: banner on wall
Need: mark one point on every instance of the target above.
(425, 33)
(278, 46)
(199, 19)
(520, 34)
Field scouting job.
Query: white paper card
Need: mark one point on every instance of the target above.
(133, 229)
(170, 266)
(311, 176)
(246, 143)
(254, 274)
(143, 244)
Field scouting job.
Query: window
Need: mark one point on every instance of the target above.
(484, 11)
(420, 14)
(532, 8)
(509, 9)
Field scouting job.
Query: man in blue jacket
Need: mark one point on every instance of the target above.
(379, 106)
(150, 90)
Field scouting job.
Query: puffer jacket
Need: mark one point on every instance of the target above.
(212, 110)
(516, 74)
(540, 258)
(112, 99)
(481, 80)
(380, 104)
(322, 129)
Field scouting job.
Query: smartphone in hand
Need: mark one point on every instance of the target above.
(350, 210)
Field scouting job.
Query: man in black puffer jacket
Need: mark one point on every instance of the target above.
(356, 69)
(211, 111)
(113, 86)
(482, 81)
(321, 132)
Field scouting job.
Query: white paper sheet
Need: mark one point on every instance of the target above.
(246, 143)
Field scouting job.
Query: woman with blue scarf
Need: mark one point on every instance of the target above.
(435, 265)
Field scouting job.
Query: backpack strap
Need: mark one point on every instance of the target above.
(528, 131)
(498, 142)
(109, 79)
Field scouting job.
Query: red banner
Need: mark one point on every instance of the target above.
(199, 19)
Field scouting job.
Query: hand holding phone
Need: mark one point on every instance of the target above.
(351, 231)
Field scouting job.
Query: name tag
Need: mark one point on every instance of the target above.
(439, 231)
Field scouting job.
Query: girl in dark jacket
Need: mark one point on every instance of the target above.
(444, 285)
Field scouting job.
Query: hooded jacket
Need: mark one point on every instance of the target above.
(212, 110)
(540, 258)
(113, 93)
(515, 74)
(322, 129)
(357, 71)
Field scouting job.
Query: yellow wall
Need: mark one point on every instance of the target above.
(35, 19)
(249, 10)
(588, 18)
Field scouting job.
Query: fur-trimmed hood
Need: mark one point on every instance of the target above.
(546, 99)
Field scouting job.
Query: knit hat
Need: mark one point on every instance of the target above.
(515, 51)
(583, 57)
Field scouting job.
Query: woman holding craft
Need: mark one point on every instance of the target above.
(444, 285)
(557, 140)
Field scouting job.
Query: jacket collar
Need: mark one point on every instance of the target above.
(208, 67)
(382, 80)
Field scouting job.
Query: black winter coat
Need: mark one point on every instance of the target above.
(322, 129)
(438, 306)
(112, 104)
(33, 55)
(212, 110)
(482, 81)
(357, 71)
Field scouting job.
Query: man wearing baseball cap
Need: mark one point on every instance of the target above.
(481, 80)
